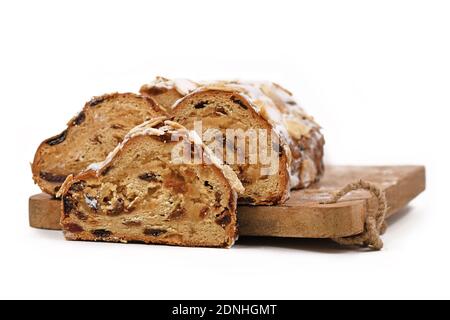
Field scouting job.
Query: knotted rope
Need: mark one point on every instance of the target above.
(375, 224)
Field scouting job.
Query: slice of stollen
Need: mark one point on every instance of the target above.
(159, 186)
(294, 144)
(89, 137)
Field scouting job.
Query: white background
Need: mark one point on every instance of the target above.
(375, 74)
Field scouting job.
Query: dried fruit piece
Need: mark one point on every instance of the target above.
(81, 215)
(239, 102)
(60, 138)
(79, 119)
(224, 219)
(201, 105)
(73, 227)
(150, 177)
(177, 213)
(101, 233)
(175, 182)
(207, 184)
(131, 223)
(154, 232)
(117, 127)
(78, 186)
(221, 110)
(96, 101)
(106, 170)
(204, 212)
(218, 199)
(68, 205)
(167, 137)
(50, 177)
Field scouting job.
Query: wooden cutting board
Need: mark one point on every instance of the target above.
(303, 216)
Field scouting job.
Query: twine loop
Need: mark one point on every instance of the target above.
(375, 224)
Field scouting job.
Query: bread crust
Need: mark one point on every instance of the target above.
(50, 182)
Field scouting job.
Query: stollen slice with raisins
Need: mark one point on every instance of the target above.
(89, 137)
(293, 156)
(143, 193)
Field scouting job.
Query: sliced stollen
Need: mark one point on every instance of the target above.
(293, 135)
(89, 137)
(160, 186)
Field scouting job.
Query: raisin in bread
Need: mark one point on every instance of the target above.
(89, 137)
(251, 105)
(143, 193)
